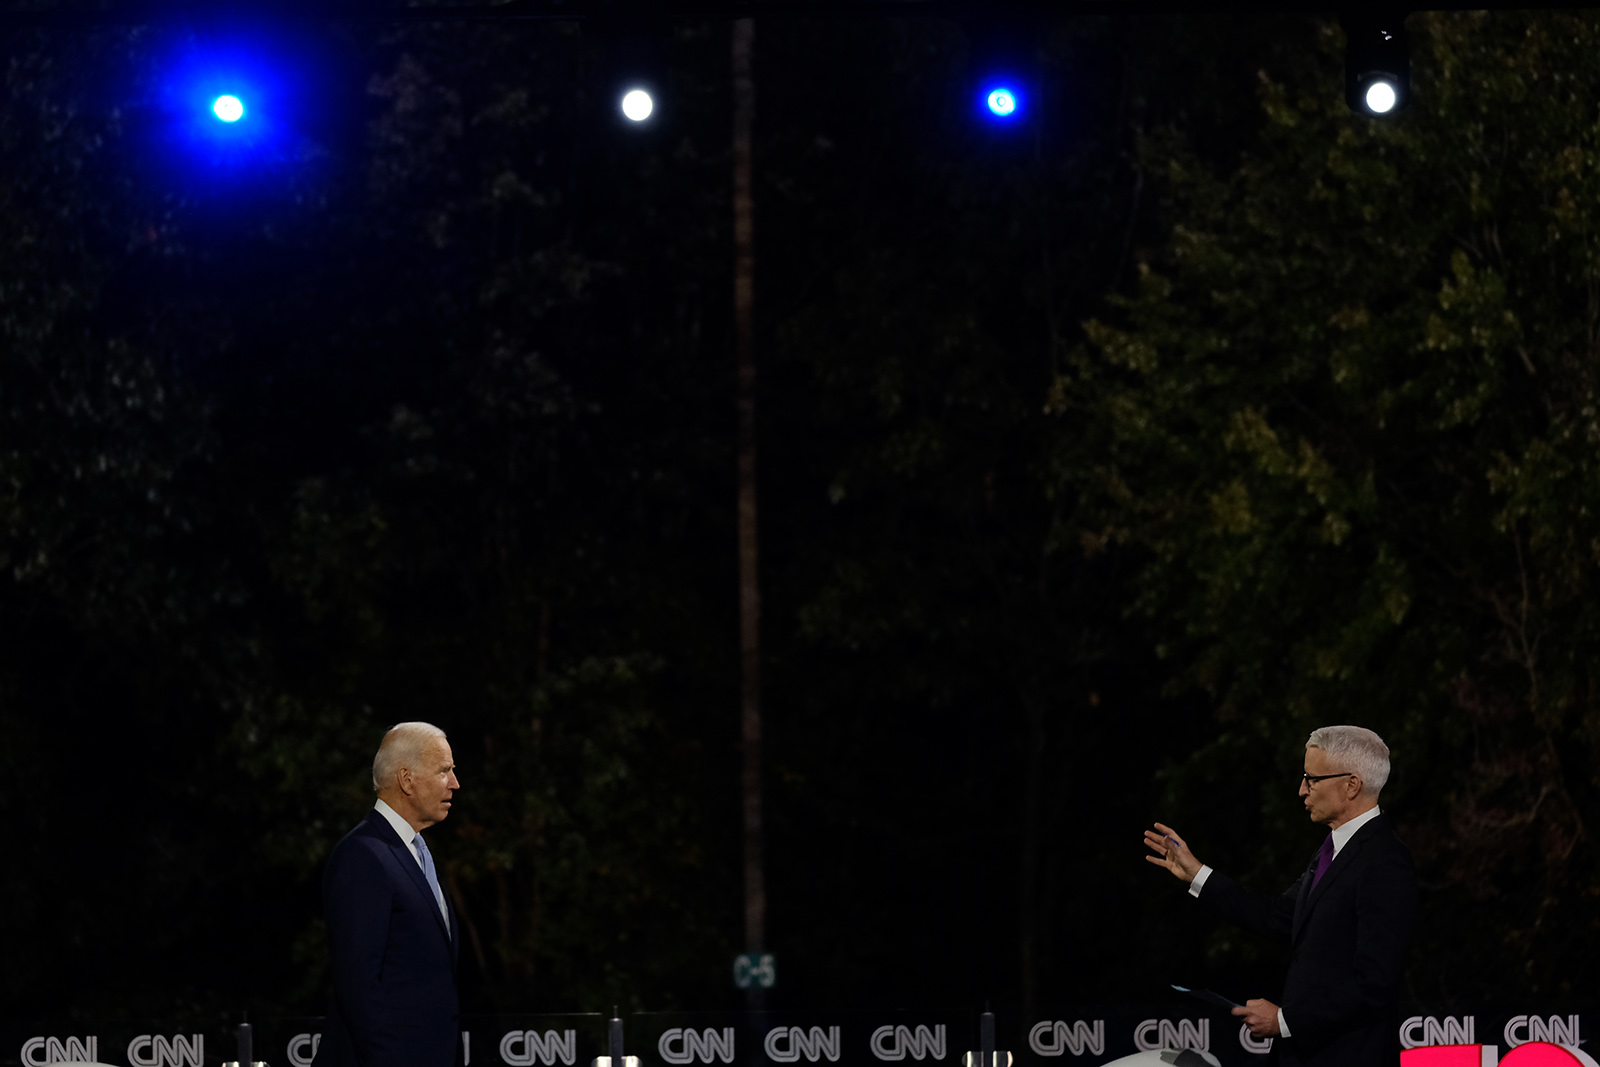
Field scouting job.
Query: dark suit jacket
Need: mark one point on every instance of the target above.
(394, 964)
(1347, 944)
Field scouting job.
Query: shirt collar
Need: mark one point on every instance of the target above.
(1341, 836)
(401, 827)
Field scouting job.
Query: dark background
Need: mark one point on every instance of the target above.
(1101, 458)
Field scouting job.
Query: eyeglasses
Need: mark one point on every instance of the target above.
(1311, 779)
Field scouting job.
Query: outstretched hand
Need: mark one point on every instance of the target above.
(1171, 853)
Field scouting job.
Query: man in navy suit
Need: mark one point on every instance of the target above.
(1347, 919)
(392, 934)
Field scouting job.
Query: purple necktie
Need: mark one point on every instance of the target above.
(1324, 857)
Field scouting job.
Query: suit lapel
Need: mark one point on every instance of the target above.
(1342, 862)
(408, 863)
(1302, 901)
(455, 932)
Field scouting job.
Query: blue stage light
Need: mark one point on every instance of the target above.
(228, 108)
(1001, 102)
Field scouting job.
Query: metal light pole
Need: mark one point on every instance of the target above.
(755, 892)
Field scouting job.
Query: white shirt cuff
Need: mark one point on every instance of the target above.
(1283, 1024)
(1199, 882)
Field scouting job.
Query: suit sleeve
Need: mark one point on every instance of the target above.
(1385, 910)
(1265, 913)
(357, 903)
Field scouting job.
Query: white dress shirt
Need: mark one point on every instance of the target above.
(1341, 837)
(409, 836)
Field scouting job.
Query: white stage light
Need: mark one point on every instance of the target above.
(1381, 98)
(637, 105)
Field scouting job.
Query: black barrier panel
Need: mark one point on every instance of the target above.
(799, 1039)
(1095, 1034)
(147, 1044)
(1085, 1036)
(534, 1040)
(568, 1040)
(1092, 1035)
(287, 1042)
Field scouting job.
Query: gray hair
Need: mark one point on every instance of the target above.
(402, 747)
(1359, 749)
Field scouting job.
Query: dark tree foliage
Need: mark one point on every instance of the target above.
(355, 427)
(1348, 421)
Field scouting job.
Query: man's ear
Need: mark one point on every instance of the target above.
(1353, 786)
(404, 780)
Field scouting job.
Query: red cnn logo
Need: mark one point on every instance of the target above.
(1533, 1054)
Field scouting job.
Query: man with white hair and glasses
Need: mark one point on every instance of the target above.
(1347, 920)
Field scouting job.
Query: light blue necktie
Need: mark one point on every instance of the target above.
(433, 879)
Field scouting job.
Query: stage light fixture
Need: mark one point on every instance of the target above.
(1002, 59)
(1377, 64)
(228, 108)
(1001, 102)
(638, 105)
(1381, 97)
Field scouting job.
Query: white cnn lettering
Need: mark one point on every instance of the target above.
(892, 1043)
(60, 1050)
(818, 1044)
(889, 1053)
(1252, 1044)
(1449, 1031)
(1183, 1034)
(188, 1051)
(789, 1044)
(1555, 1030)
(158, 1050)
(922, 1043)
(776, 1050)
(547, 1049)
(1054, 1037)
(1186, 1033)
(514, 1048)
(71, 1050)
(297, 1050)
(714, 1046)
(707, 1045)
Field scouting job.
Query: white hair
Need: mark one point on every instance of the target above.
(1359, 749)
(402, 746)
